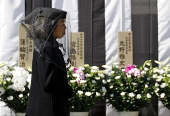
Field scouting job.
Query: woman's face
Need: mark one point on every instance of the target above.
(59, 31)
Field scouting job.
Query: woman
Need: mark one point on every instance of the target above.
(49, 86)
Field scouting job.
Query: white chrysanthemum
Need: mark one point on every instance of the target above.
(143, 72)
(20, 76)
(88, 93)
(148, 95)
(20, 95)
(111, 87)
(29, 69)
(112, 72)
(71, 68)
(155, 70)
(111, 95)
(75, 75)
(8, 79)
(101, 75)
(146, 86)
(10, 98)
(134, 83)
(128, 76)
(105, 66)
(98, 94)
(104, 81)
(161, 71)
(123, 69)
(83, 81)
(93, 71)
(104, 89)
(29, 78)
(94, 67)
(138, 96)
(146, 69)
(93, 81)
(117, 77)
(73, 81)
(108, 80)
(154, 76)
(157, 89)
(121, 85)
(81, 68)
(87, 75)
(162, 95)
(158, 80)
(86, 65)
(122, 93)
(156, 84)
(2, 91)
(80, 92)
(131, 94)
(97, 78)
(163, 85)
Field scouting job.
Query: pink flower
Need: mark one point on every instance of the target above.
(129, 67)
(137, 72)
(132, 70)
(80, 74)
(75, 69)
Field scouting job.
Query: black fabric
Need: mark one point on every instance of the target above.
(145, 40)
(85, 25)
(98, 32)
(41, 24)
(30, 5)
(92, 23)
(49, 89)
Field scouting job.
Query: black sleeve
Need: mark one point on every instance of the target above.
(51, 79)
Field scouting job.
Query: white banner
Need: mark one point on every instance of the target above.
(163, 40)
(117, 18)
(12, 12)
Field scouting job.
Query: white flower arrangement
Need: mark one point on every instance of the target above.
(86, 83)
(162, 82)
(14, 86)
(130, 88)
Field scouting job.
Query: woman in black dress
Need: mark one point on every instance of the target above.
(49, 90)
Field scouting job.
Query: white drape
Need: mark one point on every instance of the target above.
(12, 11)
(117, 18)
(163, 39)
(71, 6)
(163, 29)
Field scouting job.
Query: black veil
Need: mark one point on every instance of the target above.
(40, 25)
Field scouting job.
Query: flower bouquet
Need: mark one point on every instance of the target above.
(14, 86)
(131, 88)
(86, 83)
(162, 79)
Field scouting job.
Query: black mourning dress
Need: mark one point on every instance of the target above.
(49, 86)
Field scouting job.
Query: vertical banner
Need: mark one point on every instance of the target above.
(77, 49)
(125, 48)
(25, 49)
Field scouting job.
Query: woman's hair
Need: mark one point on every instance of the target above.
(42, 27)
